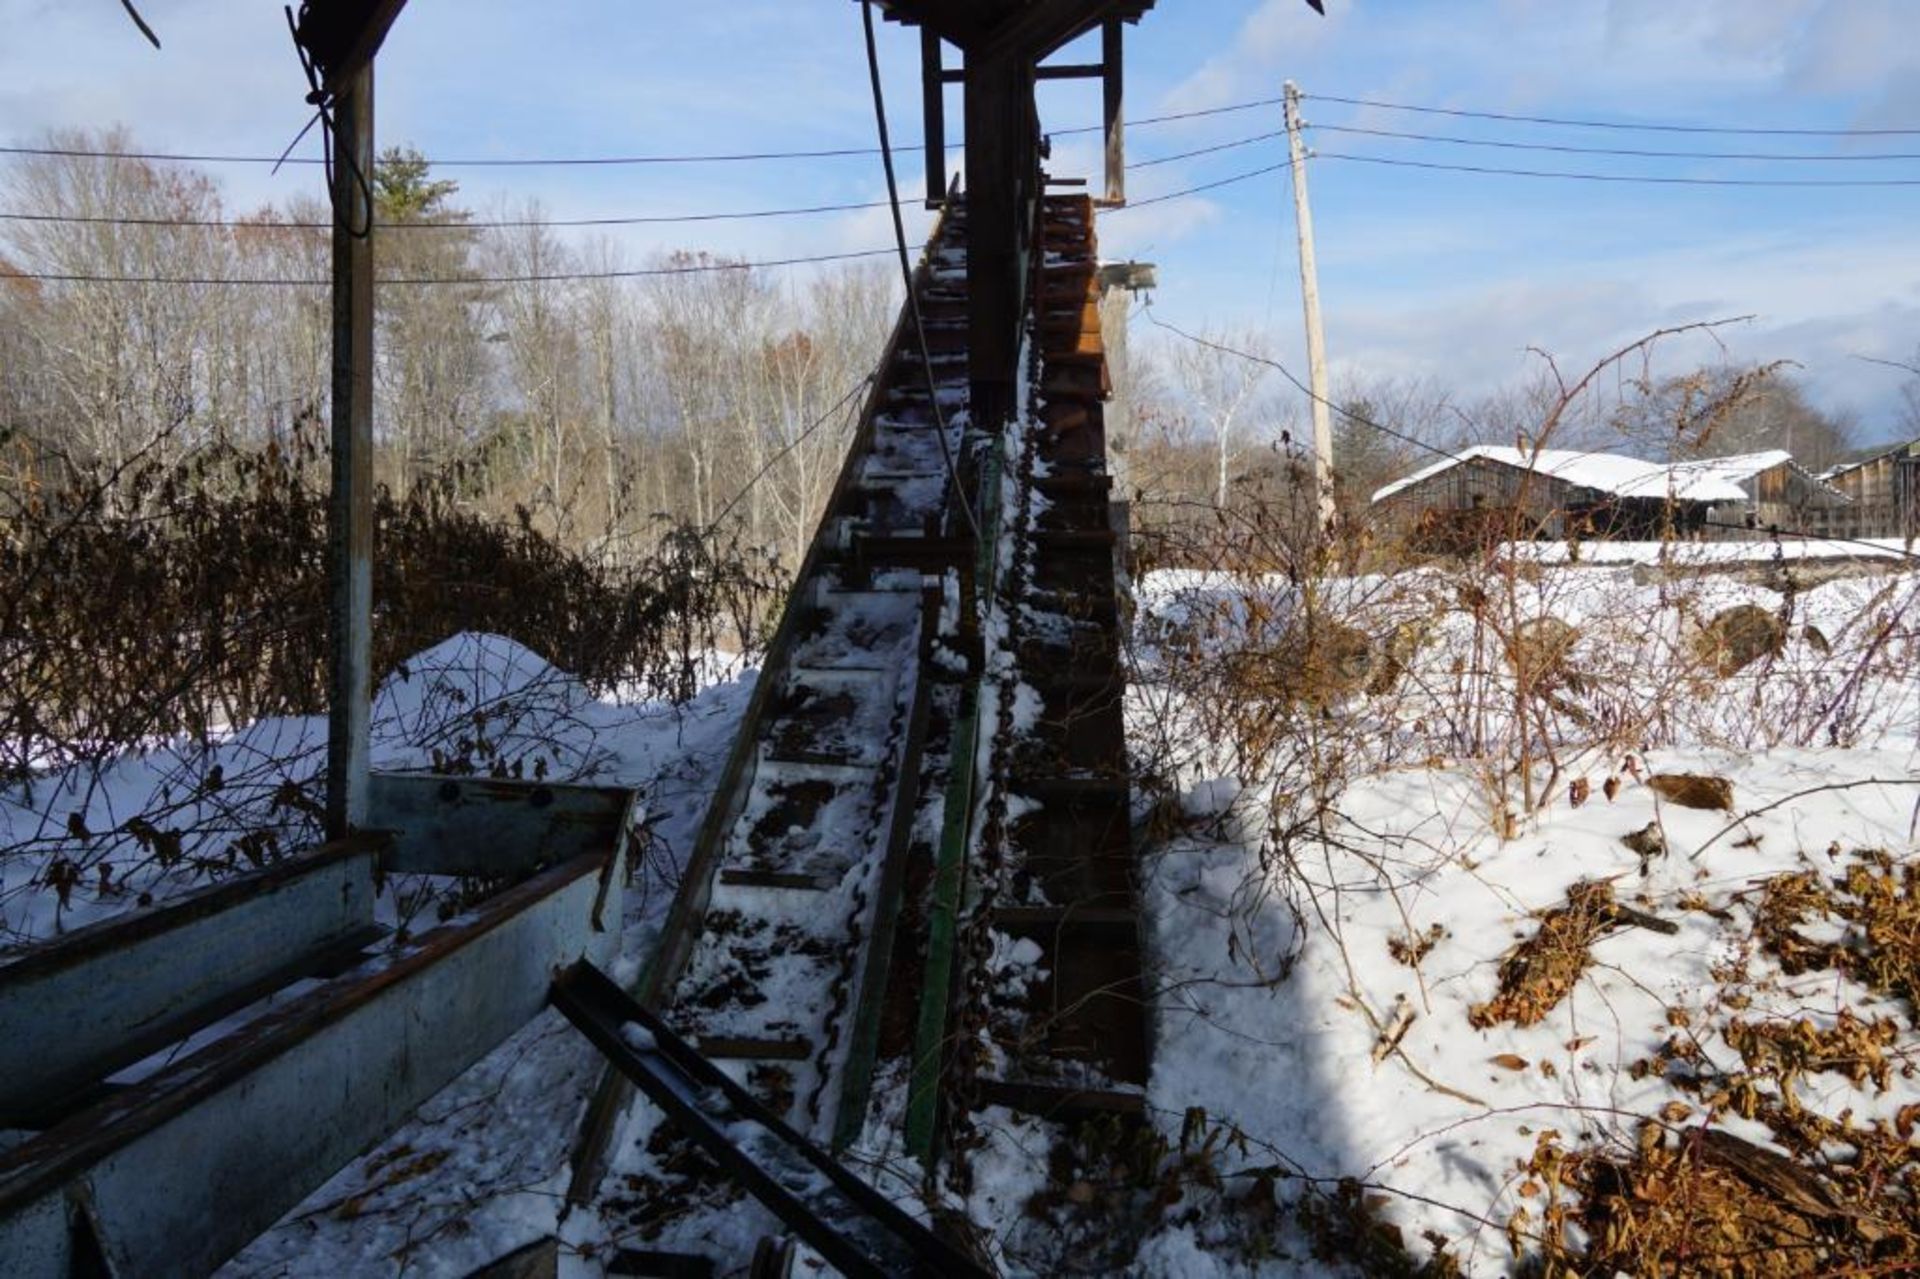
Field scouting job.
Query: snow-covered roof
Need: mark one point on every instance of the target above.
(1715, 479)
(1712, 479)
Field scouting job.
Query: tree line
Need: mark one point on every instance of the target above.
(592, 405)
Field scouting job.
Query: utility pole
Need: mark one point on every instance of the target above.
(1310, 298)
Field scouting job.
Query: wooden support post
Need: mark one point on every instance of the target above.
(1310, 302)
(350, 509)
(1113, 57)
(933, 110)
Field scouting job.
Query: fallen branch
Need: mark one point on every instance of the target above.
(1741, 820)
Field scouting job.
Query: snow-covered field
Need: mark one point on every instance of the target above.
(1696, 554)
(175, 817)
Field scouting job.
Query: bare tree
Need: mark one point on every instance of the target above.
(543, 362)
(128, 365)
(1373, 430)
(702, 324)
(1717, 411)
(1221, 388)
(433, 371)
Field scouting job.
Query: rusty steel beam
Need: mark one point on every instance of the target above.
(1033, 32)
(1113, 94)
(960, 21)
(1058, 71)
(933, 114)
(859, 1231)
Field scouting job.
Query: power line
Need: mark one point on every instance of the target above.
(1254, 105)
(1621, 151)
(505, 224)
(448, 281)
(1302, 387)
(63, 278)
(863, 206)
(1641, 178)
(1195, 190)
(511, 162)
(1224, 146)
(1626, 125)
(660, 219)
(605, 161)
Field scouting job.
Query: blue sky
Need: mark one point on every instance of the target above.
(1447, 276)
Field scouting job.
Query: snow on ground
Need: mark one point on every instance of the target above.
(473, 702)
(1290, 1062)
(1692, 554)
(1276, 959)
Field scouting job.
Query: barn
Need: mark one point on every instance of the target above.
(1884, 493)
(1493, 491)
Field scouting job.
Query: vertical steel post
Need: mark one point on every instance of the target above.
(933, 112)
(1113, 92)
(350, 508)
(1001, 160)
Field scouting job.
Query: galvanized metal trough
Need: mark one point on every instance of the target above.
(174, 1172)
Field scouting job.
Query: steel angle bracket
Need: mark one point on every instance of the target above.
(858, 1230)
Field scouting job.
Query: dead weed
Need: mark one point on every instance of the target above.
(1880, 901)
(1543, 969)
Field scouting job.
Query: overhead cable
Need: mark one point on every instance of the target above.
(1638, 152)
(1223, 146)
(1196, 190)
(652, 219)
(272, 224)
(1636, 178)
(698, 268)
(600, 161)
(1626, 125)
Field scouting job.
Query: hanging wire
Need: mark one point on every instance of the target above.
(322, 101)
(1655, 153)
(271, 224)
(140, 22)
(451, 281)
(1641, 179)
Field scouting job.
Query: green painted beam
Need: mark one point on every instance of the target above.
(949, 882)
